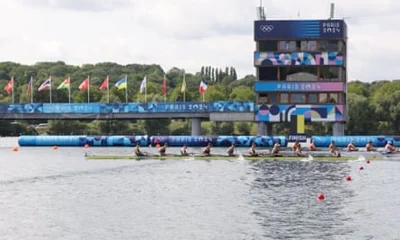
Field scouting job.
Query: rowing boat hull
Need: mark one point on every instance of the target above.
(177, 157)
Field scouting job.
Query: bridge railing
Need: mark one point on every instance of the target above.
(150, 107)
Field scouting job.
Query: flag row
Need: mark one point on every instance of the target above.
(120, 84)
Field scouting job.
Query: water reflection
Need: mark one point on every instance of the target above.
(284, 196)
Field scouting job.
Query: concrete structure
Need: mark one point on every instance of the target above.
(301, 69)
(227, 111)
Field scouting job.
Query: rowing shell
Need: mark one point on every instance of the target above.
(218, 157)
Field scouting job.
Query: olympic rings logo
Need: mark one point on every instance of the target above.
(266, 28)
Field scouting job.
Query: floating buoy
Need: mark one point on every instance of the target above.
(348, 178)
(86, 145)
(15, 149)
(368, 161)
(361, 168)
(55, 147)
(158, 145)
(320, 196)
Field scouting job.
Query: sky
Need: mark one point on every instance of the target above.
(187, 33)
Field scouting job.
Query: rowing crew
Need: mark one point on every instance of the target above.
(230, 151)
(389, 148)
(162, 150)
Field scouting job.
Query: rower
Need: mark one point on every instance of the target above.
(252, 150)
(275, 149)
(163, 149)
(369, 147)
(138, 152)
(297, 149)
(333, 149)
(207, 150)
(183, 150)
(351, 147)
(312, 146)
(389, 148)
(231, 150)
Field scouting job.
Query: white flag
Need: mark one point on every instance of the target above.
(143, 85)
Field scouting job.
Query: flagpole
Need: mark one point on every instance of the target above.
(31, 89)
(184, 90)
(69, 90)
(50, 90)
(145, 92)
(108, 89)
(203, 95)
(88, 90)
(12, 89)
(126, 89)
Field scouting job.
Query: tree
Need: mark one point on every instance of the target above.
(361, 117)
(242, 93)
(214, 93)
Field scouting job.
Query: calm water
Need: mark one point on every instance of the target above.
(47, 194)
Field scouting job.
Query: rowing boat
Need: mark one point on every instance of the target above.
(219, 157)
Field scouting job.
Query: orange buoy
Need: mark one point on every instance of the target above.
(55, 147)
(361, 168)
(368, 161)
(348, 178)
(320, 196)
(86, 145)
(15, 149)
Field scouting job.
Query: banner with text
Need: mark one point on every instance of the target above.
(293, 29)
(286, 86)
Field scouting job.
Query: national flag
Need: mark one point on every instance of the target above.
(183, 88)
(30, 85)
(10, 85)
(104, 84)
(203, 87)
(65, 84)
(45, 85)
(143, 85)
(85, 84)
(164, 87)
(121, 84)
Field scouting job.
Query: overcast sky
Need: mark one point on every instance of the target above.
(186, 33)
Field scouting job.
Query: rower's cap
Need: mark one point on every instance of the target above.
(369, 141)
(390, 142)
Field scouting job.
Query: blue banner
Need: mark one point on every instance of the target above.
(293, 29)
(153, 107)
(288, 86)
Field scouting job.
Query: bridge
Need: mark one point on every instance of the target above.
(212, 111)
(231, 111)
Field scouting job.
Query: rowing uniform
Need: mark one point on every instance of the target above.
(275, 149)
(351, 147)
(252, 152)
(389, 148)
(138, 152)
(231, 150)
(183, 152)
(207, 151)
(162, 151)
(312, 147)
(369, 147)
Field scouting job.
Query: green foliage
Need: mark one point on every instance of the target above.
(373, 108)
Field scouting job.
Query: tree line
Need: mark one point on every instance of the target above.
(373, 108)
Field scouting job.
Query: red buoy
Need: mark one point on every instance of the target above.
(361, 168)
(348, 178)
(86, 146)
(320, 196)
(368, 161)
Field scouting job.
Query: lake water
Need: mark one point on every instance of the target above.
(57, 194)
